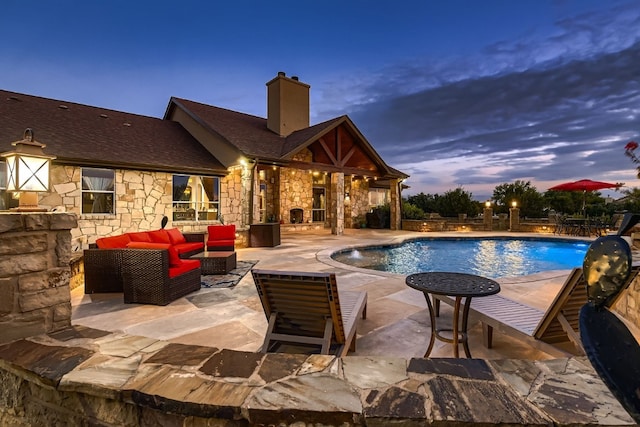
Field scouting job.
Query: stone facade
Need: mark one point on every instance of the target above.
(141, 200)
(35, 257)
(357, 206)
(296, 187)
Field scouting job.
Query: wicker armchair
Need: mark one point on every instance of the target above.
(102, 270)
(145, 277)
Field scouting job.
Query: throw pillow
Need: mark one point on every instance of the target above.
(176, 236)
(159, 236)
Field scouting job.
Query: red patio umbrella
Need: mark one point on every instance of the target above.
(584, 185)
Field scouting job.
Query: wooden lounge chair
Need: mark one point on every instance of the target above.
(548, 330)
(305, 308)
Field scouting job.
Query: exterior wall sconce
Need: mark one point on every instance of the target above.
(347, 197)
(28, 171)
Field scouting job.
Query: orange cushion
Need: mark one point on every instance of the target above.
(189, 247)
(141, 236)
(174, 258)
(185, 265)
(218, 243)
(159, 236)
(222, 232)
(113, 242)
(176, 236)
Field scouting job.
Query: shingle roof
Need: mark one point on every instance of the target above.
(81, 134)
(247, 133)
(250, 133)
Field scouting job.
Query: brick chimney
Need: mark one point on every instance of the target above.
(287, 104)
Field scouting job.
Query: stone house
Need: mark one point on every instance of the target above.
(201, 164)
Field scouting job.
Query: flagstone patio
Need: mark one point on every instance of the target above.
(397, 323)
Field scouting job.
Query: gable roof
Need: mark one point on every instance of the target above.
(92, 136)
(251, 137)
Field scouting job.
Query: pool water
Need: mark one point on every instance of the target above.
(489, 257)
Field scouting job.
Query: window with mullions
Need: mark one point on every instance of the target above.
(98, 191)
(195, 198)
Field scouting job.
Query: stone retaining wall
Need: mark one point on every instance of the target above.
(456, 224)
(35, 255)
(82, 376)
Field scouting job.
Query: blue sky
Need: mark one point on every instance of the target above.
(456, 93)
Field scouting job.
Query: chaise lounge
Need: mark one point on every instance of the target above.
(306, 309)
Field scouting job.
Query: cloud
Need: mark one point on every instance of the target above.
(544, 110)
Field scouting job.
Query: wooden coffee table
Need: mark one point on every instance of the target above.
(216, 262)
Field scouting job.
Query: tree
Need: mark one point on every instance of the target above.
(411, 211)
(529, 200)
(426, 202)
(455, 202)
(631, 201)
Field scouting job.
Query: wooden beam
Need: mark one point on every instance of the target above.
(348, 156)
(324, 167)
(329, 153)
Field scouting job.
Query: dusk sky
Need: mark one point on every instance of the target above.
(456, 93)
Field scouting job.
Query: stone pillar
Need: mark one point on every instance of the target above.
(35, 271)
(487, 218)
(247, 194)
(514, 219)
(337, 203)
(395, 212)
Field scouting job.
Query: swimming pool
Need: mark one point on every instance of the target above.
(490, 257)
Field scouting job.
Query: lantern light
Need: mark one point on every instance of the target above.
(28, 170)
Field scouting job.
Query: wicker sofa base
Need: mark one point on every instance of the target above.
(146, 280)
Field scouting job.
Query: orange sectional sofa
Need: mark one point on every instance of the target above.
(149, 267)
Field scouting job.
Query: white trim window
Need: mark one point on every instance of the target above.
(196, 198)
(98, 191)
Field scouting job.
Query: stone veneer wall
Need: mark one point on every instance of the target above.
(35, 257)
(296, 187)
(358, 205)
(142, 199)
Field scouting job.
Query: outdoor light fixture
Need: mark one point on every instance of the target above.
(514, 204)
(28, 171)
(487, 204)
(346, 196)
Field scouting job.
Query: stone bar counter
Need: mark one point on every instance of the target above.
(80, 376)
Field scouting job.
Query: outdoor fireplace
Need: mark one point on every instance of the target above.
(296, 216)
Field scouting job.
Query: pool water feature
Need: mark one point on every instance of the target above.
(489, 257)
